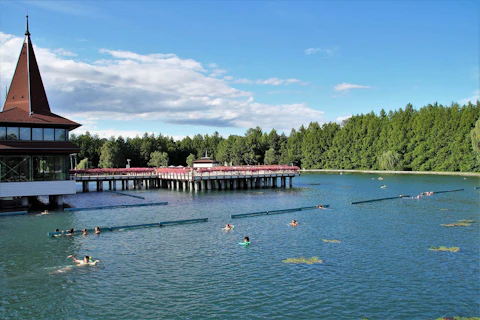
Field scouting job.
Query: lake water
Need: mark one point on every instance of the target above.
(381, 269)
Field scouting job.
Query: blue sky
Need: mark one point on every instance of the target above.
(184, 67)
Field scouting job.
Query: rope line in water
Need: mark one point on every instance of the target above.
(260, 213)
(119, 206)
(145, 225)
(380, 199)
(448, 191)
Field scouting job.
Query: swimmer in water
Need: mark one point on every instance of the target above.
(84, 232)
(58, 235)
(228, 226)
(320, 206)
(87, 260)
(246, 239)
(294, 223)
(97, 230)
(44, 212)
(70, 232)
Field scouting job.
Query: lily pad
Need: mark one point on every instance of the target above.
(442, 248)
(311, 260)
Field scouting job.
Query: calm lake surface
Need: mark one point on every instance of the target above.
(381, 269)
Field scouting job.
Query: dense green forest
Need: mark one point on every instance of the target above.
(433, 138)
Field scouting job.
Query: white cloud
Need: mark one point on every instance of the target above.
(345, 87)
(243, 81)
(271, 81)
(161, 88)
(342, 118)
(228, 78)
(325, 51)
(473, 99)
(217, 72)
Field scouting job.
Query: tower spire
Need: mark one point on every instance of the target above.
(27, 33)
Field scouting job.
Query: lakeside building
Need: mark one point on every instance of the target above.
(34, 142)
(205, 162)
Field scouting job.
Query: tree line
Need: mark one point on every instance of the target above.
(433, 138)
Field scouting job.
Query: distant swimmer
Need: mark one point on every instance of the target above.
(58, 235)
(383, 186)
(320, 206)
(246, 239)
(228, 226)
(87, 260)
(380, 178)
(44, 212)
(294, 223)
(84, 232)
(70, 232)
(97, 230)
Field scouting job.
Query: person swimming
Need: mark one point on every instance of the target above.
(84, 232)
(70, 232)
(44, 212)
(246, 239)
(228, 226)
(294, 223)
(320, 206)
(87, 260)
(97, 230)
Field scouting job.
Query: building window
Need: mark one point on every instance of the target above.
(3, 133)
(12, 133)
(15, 168)
(60, 134)
(37, 134)
(48, 134)
(25, 134)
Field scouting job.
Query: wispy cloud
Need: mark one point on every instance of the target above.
(165, 88)
(472, 99)
(345, 87)
(324, 51)
(66, 53)
(217, 72)
(271, 81)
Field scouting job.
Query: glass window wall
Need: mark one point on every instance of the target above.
(37, 134)
(60, 134)
(3, 133)
(48, 134)
(16, 168)
(12, 133)
(25, 134)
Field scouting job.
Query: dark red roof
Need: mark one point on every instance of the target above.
(26, 99)
(18, 146)
(18, 116)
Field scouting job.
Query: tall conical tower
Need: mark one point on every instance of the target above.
(34, 146)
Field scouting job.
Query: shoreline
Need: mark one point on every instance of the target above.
(444, 173)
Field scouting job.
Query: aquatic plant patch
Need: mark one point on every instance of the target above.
(442, 248)
(458, 318)
(459, 223)
(331, 241)
(311, 260)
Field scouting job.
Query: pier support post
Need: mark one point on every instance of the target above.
(290, 182)
(24, 201)
(99, 185)
(257, 183)
(114, 185)
(283, 182)
(190, 184)
(178, 185)
(109, 185)
(234, 183)
(197, 185)
(203, 184)
(241, 183)
(184, 185)
(249, 183)
(216, 184)
(209, 184)
(85, 186)
(274, 181)
(262, 182)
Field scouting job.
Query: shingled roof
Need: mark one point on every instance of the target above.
(27, 101)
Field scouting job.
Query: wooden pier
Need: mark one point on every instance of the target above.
(217, 178)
